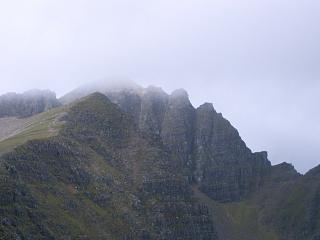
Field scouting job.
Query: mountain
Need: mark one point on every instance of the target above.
(205, 145)
(126, 162)
(27, 104)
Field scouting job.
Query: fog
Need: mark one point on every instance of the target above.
(258, 61)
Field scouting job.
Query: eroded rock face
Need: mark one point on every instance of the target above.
(27, 104)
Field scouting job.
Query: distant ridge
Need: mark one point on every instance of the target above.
(28, 103)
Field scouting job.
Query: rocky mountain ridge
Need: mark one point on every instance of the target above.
(134, 163)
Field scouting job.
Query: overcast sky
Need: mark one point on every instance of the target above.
(258, 61)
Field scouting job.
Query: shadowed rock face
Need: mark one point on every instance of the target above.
(27, 104)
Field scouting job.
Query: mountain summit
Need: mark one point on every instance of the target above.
(138, 163)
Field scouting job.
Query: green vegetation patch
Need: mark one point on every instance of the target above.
(245, 221)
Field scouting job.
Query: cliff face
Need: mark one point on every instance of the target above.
(27, 104)
(177, 131)
(205, 146)
(225, 168)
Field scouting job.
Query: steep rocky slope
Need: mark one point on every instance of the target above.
(27, 104)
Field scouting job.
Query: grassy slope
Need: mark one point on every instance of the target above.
(293, 209)
(236, 221)
(41, 126)
(245, 222)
